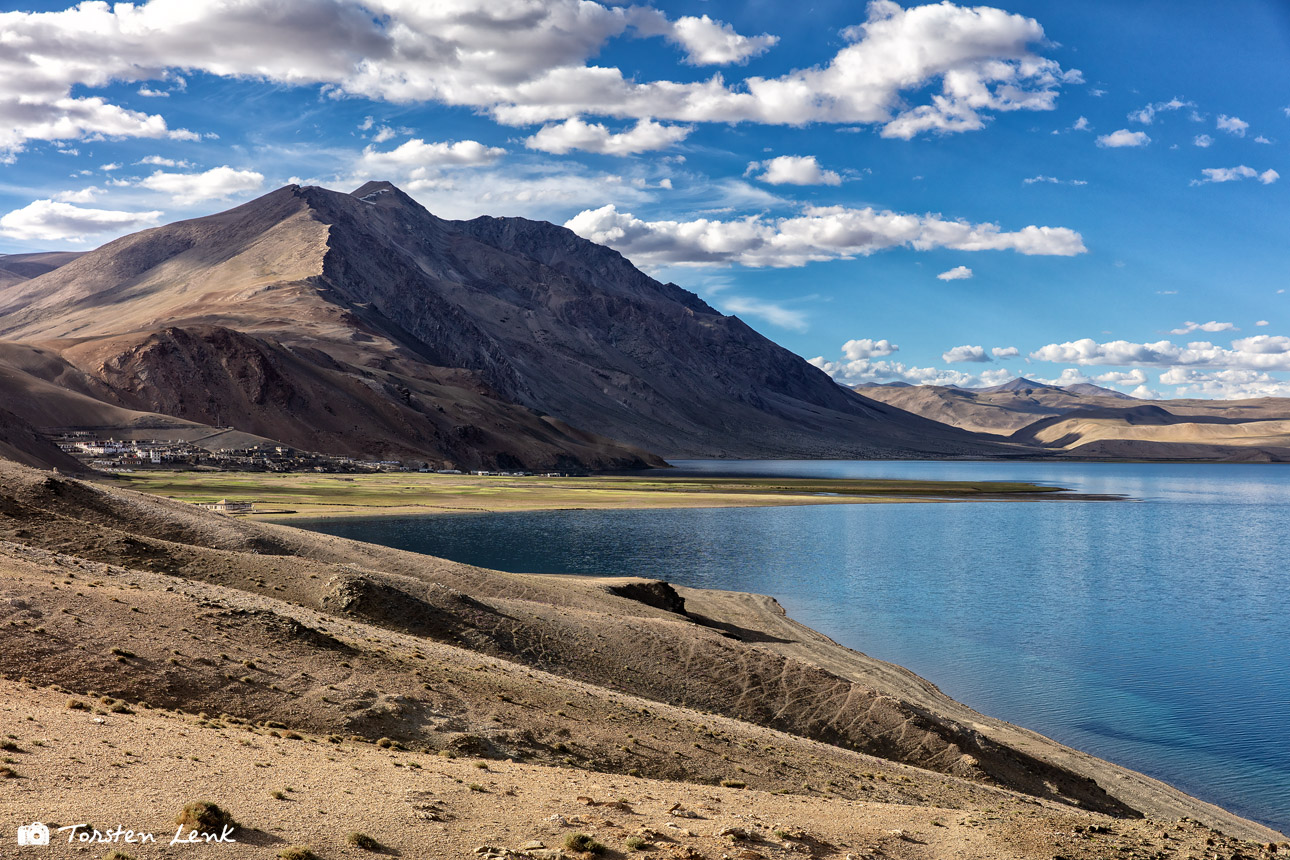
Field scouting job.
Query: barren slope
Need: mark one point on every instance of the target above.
(1088, 421)
(265, 622)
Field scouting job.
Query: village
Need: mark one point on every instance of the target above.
(122, 455)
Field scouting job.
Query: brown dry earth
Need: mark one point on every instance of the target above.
(1091, 425)
(189, 635)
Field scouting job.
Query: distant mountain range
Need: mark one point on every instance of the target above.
(362, 325)
(1087, 421)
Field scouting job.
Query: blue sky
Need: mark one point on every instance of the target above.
(937, 193)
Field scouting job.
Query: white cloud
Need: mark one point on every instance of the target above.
(1122, 138)
(1081, 124)
(1053, 180)
(793, 170)
(1147, 115)
(159, 161)
(420, 166)
(574, 133)
(958, 273)
(1232, 174)
(150, 93)
(1232, 125)
(1262, 323)
(48, 220)
(1211, 326)
(868, 370)
(1137, 376)
(418, 153)
(217, 183)
(1233, 384)
(1263, 140)
(820, 233)
(385, 132)
(1144, 392)
(855, 350)
(965, 353)
(84, 195)
(708, 42)
(1258, 352)
(769, 311)
(936, 67)
(1005, 352)
(1203, 141)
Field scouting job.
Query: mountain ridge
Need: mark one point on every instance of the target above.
(502, 329)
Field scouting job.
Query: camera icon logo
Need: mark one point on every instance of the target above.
(33, 834)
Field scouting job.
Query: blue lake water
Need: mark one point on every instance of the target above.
(1152, 633)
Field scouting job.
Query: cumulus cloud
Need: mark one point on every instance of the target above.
(1234, 384)
(1081, 124)
(1122, 138)
(1232, 174)
(1053, 180)
(965, 353)
(1211, 326)
(820, 233)
(1005, 352)
(773, 313)
(1204, 141)
(793, 170)
(574, 133)
(958, 273)
(1259, 352)
(218, 183)
(860, 370)
(49, 220)
(1147, 115)
(1262, 323)
(1232, 125)
(417, 153)
(855, 350)
(937, 67)
(84, 195)
(159, 161)
(711, 43)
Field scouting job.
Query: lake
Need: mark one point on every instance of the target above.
(1152, 632)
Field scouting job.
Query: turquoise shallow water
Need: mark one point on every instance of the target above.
(1152, 633)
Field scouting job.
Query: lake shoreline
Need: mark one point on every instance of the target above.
(293, 496)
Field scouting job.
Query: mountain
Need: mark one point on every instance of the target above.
(1151, 431)
(1089, 389)
(1089, 421)
(1020, 385)
(362, 324)
(16, 268)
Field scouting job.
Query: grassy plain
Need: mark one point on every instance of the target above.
(326, 495)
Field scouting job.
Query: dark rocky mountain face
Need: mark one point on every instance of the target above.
(361, 323)
(571, 328)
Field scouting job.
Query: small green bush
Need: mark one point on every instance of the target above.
(584, 843)
(204, 816)
(297, 852)
(362, 840)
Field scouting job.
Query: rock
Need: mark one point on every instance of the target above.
(680, 811)
(535, 845)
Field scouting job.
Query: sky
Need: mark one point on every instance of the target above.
(936, 193)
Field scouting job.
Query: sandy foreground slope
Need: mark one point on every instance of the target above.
(198, 648)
